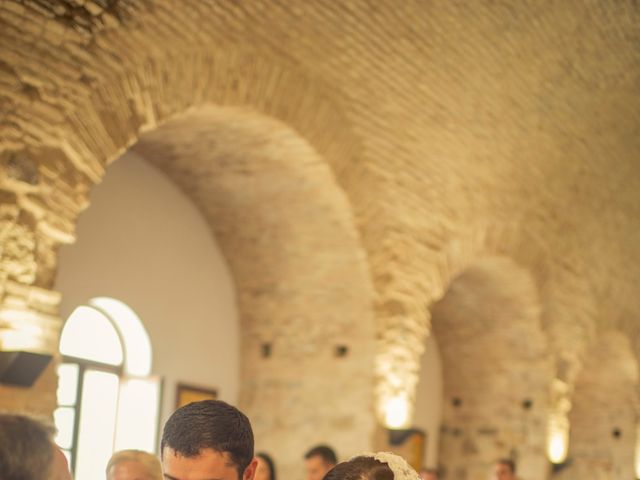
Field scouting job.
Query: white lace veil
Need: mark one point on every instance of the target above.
(398, 465)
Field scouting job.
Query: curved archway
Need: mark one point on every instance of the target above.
(129, 87)
(496, 371)
(143, 241)
(287, 232)
(566, 308)
(83, 91)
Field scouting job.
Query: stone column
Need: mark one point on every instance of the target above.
(40, 196)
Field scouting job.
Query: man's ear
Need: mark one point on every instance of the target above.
(250, 471)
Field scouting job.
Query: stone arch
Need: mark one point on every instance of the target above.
(496, 370)
(251, 104)
(566, 305)
(568, 309)
(288, 235)
(604, 414)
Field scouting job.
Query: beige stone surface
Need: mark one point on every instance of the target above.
(604, 414)
(429, 135)
(496, 369)
(287, 232)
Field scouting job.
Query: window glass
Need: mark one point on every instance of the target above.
(137, 345)
(64, 417)
(97, 423)
(138, 414)
(89, 334)
(67, 384)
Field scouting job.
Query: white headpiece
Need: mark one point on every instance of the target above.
(398, 465)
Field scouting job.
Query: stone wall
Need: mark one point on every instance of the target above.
(442, 132)
(604, 414)
(496, 370)
(304, 295)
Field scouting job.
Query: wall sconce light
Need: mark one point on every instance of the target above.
(396, 412)
(558, 442)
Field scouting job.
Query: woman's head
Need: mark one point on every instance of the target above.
(360, 468)
(266, 468)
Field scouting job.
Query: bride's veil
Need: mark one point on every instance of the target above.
(398, 465)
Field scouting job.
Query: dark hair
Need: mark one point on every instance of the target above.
(269, 461)
(210, 424)
(508, 463)
(360, 468)
(26, 449)
(325, 452)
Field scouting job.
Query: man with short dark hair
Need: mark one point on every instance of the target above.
(27, 451)
(504, 469)
(318, 461)
(208, 440)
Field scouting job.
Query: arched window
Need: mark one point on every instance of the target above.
(107, 400)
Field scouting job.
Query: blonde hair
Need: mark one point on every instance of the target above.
(149, 461)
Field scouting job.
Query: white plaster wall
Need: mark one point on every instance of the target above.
(428, 411)
(143, 242)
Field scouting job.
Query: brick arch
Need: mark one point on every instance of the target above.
(60, 139)
(78, 125)
(246, 105)
(488, 321)
(403, 304)
(288, 234)
(568, 309)
(567, 316)
(506, 161)
(564, 290)
(104, 116)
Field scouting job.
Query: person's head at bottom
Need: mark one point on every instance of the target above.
(428, 474)
(369, 467)
(27, 451)
(360, 468)
(504, 469)
(208, 440)
(266, 468)
(318, 461)
(134, 465)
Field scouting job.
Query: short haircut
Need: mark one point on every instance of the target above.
(269, 461)
(323, 451)
(26, 448)
(360, 468)
(210, 424)
(508, 463)
(151, 464)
